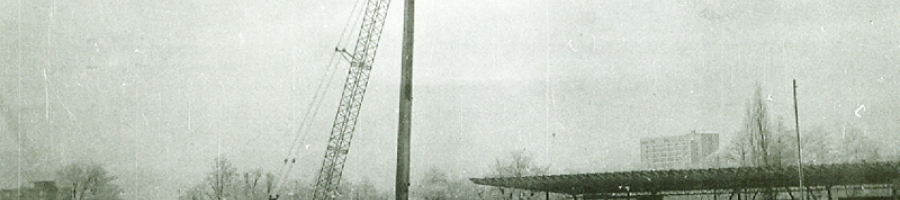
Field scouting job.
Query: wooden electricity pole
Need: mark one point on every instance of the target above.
(797, 129)
(403, 132)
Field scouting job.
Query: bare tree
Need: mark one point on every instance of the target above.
(221, 179)
(269, 184)
(756, 142)
(88, 181)
(519, 164)
(226, 182)
(856, 145)
(434, 185)
(364, 189)
(818, 147)
(845, 144)
(196, 192)
(438, 185)
(249, 182)
(299, 189)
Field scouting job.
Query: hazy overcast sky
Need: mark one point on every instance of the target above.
(156, 89)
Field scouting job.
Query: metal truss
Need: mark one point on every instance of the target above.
(354, 90)
(694, 180)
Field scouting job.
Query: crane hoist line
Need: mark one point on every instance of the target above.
(361, 60)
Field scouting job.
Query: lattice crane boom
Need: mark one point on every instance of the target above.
(354, 90)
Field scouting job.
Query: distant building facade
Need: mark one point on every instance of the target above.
(678, 152)
(42, 190)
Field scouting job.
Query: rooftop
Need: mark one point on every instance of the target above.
(654, 181)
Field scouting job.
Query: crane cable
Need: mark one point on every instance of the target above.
(311, 112)
(319, 91)
(316, 101)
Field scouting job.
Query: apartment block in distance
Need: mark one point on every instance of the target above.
(678, 152)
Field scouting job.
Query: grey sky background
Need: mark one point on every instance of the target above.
(156, 89)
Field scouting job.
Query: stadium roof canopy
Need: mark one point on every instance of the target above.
(652, 181)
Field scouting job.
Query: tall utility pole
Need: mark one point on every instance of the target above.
(797, 129)
(403, 132)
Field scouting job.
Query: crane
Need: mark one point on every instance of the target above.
(354, 89)
(361, 60)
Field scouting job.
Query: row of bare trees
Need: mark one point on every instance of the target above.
(227, 182)
(437, 185)
(764, 141)
(86, 181)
